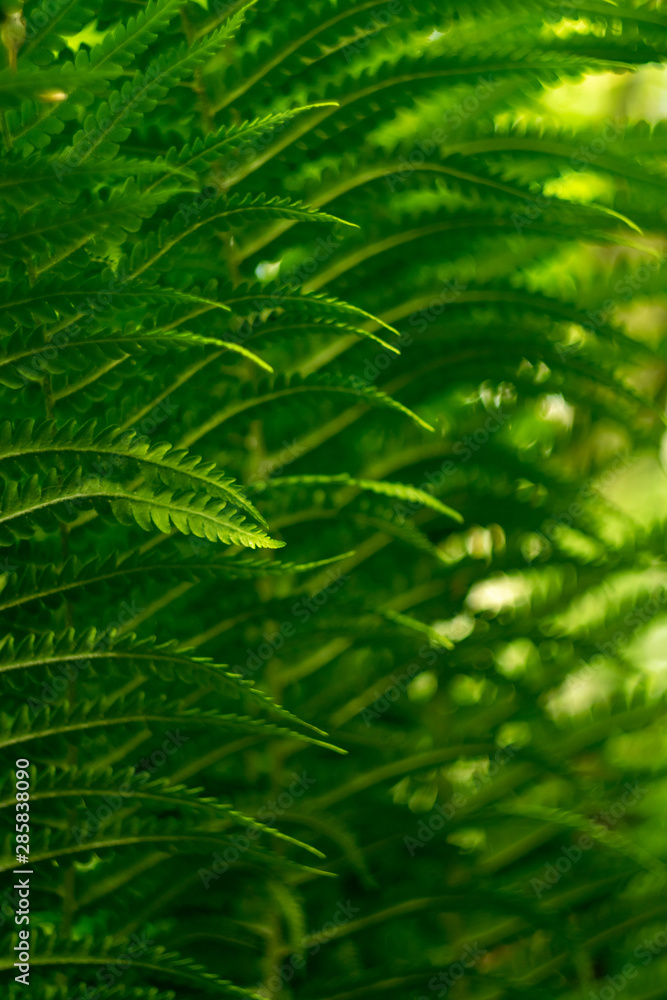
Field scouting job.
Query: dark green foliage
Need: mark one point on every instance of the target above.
(326, 772)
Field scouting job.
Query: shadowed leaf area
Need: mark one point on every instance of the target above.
(332, 503)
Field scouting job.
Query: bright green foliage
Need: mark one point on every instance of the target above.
(329, 276)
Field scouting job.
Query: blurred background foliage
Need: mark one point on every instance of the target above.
(498, 681)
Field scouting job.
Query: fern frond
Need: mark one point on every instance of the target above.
(30, 505)
(409, 493)
(65, 82)
(123, 713)
(50, 438)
